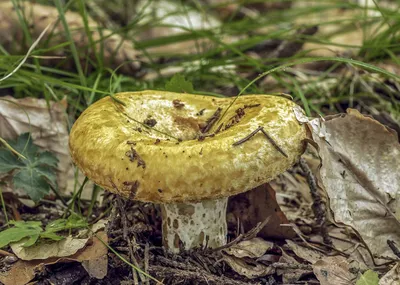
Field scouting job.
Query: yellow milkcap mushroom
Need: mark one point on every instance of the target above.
(187, 153)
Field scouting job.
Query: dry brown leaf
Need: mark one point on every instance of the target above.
(361, 173)
(305, 253)
(334, 270)
(253, 207)
(20, 273)
(93, 258)
(252, 248)
(250, 270)
(392, 277)
(290, 275)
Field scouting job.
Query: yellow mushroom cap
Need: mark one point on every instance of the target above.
(131, 149)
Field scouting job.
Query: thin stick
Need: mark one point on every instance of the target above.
(273, 142)
(393, 247)
(318, 206)
(3, 205)
(5, 253)
(249, 235)
(212, 120)
(253, 133)
(246, 138)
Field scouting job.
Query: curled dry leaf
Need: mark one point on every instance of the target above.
(305, 253)
(360, 171)
(249, 269)
(334, 270)
(256, 205)
(252, 248)
(93, 258)
(46, 249)
(290, 274)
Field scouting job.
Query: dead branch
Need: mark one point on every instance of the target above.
(192, 276)
(319, 207)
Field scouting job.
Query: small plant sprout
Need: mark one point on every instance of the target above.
(188, 159)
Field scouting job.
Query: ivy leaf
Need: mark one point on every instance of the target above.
(36, 173)
(179, 84)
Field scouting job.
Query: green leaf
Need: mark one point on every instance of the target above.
(76, 221)
(51, 236)
(179, 84)
(23, 224)
(56, 226)
(20, 231)
(8, 161)
(31, 240)
(36, 173)
(33, 184)
(24, 145)
(47, 158)
(368, 278)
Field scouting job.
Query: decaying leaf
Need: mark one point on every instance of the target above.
(369, 277)
(361, 173)
(392, 277)
(252, 248)
(93, 258)
(20, 273)
(46, 249)
(334, 270)
(250, 270)
(290, 275)
(253, 207)
(305, 253)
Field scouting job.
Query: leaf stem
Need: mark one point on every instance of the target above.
(3, 204)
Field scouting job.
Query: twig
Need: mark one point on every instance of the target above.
(192, 276)
(246, 138)
(5, 253)
(253, 133)
(211, 121)
(393, 247)
(318, 206)
(280, 265)
(146, 262)
(273, 143)
(249, 235)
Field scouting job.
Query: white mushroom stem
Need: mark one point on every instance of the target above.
(191, 225)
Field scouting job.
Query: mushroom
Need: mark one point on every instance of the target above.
(191, 157)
